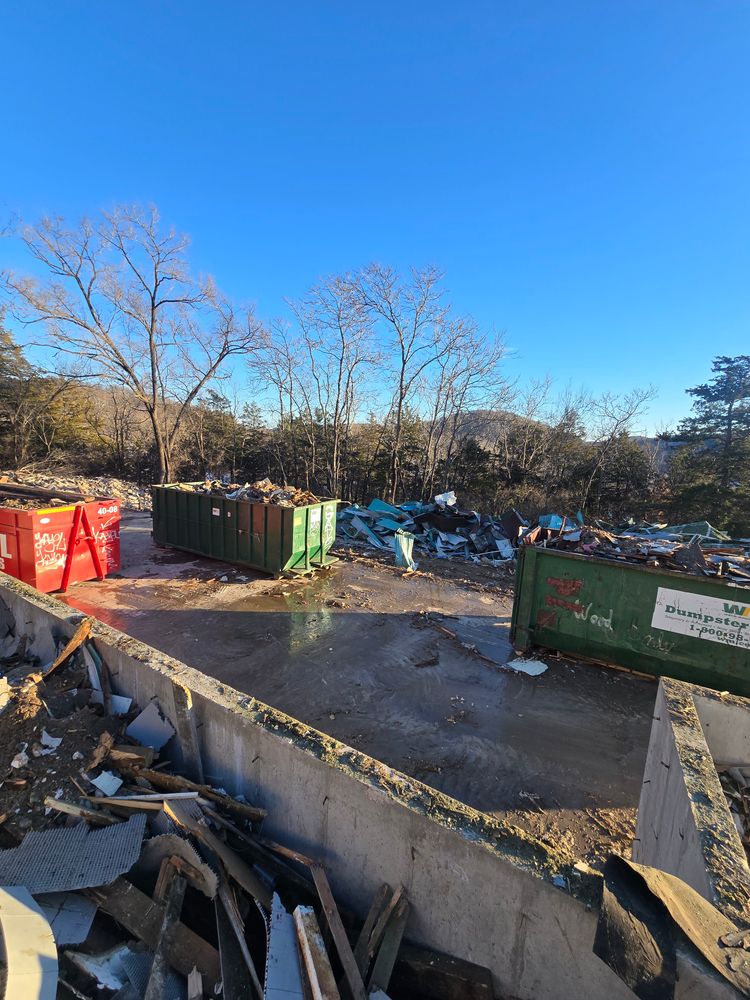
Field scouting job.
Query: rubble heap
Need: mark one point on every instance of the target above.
(131, 496)
(445, 530)
(142, 882)
(440, 528)
(262, 491)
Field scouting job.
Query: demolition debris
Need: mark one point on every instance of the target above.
(444, 530)
(133, 879)
(262, 491)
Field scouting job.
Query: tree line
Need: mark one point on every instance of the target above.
(375, 385)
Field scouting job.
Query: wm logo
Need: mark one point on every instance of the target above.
(738, 610)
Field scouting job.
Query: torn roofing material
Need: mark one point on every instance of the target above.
(73, 857)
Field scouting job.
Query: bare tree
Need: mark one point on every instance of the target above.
(413, 313)
(611, 417)
(119, 299)
(336, 336)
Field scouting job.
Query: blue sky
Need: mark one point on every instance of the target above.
(581, 171)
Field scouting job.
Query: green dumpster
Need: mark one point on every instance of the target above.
(658, 622)
(264, 536)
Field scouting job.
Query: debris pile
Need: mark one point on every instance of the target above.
(139, 882)
(445, 530)
(736, 784)
(696, 548)
(440, 528)
(132, 497)
(262, 491)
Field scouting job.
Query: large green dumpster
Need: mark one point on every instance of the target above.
(264, 536)
(659, 622)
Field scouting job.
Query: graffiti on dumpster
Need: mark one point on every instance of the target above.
(565, 587)
(50, 548)
(558, 602)
(329, 525)
(582, 612)
(712, 619)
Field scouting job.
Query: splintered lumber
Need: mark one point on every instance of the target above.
(92, 815)
(175, 894)
(80, 635)
(275, 866)
(232, 919)
(132, 756)
(176, 783)
(333, 919)
(314, 956)
(367, 949)
(388, 953)
(240, 871)
(379, 902)
(143, 918)
(187, 731)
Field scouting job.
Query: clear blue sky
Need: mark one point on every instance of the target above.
(580, 170)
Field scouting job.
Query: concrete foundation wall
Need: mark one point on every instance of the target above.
(479, 889)
(684, 826)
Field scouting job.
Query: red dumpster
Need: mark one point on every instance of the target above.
(51, 547)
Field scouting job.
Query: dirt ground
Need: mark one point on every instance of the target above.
(408, 669)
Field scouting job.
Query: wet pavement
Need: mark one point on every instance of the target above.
(389, 664)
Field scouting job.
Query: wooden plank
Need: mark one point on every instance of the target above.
(384, 963)
(142, 917)
(235, 981)
(176, 783)
(187, 732)
(91, 815)
(377, 906)
(333, 919)
(235, 922)
(80, 635)
(314, 958)
(239, 870)
(157, 979)
(376, 935)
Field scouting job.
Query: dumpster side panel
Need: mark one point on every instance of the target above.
(36, 544)
(264, 536)
(658, 622)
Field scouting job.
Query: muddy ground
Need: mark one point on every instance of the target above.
(408, 669)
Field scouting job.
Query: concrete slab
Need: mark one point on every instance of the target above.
(355, 654)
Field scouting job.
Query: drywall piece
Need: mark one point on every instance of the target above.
(283, 971)
(70, 916)
(107, 782)
(73, 857)
(29, 947)
(151, 728)
(106, 967)
(156, 849)
(120, 704)
(531, 667)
